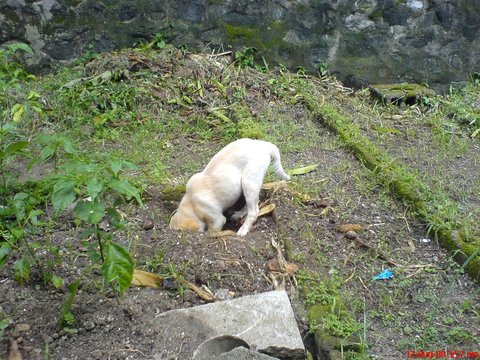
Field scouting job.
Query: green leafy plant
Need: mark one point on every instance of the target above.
(158, 42)
(12, 72)
(90, 187)
(322, 69)
(245, 57)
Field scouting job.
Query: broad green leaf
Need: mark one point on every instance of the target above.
(115, 167)
(21, 196)
(17, 111)
(303, 170)
(19, 205)
(87, 232)
(38, 109)
(17, 233)
(20, 46)
(4, 251)
(63, 195)
(90, 211)
(3, 325)
(57, 281)
(94, 187)
(32, 95)
(129, 165)
(125, 188)
(15, 147)
(118, 266)
(33, 216)
(116, 219)
(68, 146)
(47, 152)
(22, 271)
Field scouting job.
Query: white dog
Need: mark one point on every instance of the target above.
(238, 168)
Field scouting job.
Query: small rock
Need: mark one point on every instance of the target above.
(96, 354)
(224, 294)
(200, 279)
(19, 339)
(55, 335)
(100, 320)
(169, 284)
(148, 224)
(407, 330)
(351, 235)
(47, 339)
(322, 203)
(22, 327)
(89, 325)
(189, 296)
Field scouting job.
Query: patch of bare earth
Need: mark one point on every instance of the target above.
(428, 304)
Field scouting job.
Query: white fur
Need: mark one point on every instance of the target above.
(238, 168)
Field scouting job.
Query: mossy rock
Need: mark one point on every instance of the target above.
(408, 94)
(173, 192)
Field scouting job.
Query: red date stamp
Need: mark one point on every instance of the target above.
(442, 354)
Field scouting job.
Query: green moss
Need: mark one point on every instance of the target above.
(11, 15)
(173, 192)
(238, 31)
(400, 92)
(431, 207)
(250, 128)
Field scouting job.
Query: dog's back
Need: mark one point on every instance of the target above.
(238, 154)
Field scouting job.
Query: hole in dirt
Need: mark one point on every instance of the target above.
(230, 224)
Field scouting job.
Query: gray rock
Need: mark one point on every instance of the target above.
(264, 322)
(241, 353)
(374, 41)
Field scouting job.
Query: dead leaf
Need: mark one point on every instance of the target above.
(349, 227)
(266, 210)
(14, 353)
(159, 93)
(204, 294)
(273, 265)
(223, 233)
(274, 185)
(326, 211)
(411, 245)
(303, 170)
(291, 268)
(147, 279)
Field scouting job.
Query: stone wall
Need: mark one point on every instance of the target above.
(373, 41)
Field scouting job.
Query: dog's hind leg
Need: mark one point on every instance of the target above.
(251, 191)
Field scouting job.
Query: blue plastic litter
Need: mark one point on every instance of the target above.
(384, 275)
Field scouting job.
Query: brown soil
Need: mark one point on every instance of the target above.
(428, 305)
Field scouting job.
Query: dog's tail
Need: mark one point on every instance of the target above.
(277, 165)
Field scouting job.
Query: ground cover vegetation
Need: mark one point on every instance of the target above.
(94, 156)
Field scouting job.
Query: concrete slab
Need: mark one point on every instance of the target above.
(264, 322)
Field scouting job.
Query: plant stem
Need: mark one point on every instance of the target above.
(35, 258)
(100, 244)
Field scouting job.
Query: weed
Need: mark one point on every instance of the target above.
(12, 72)
(245, 57)
(322, 69)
